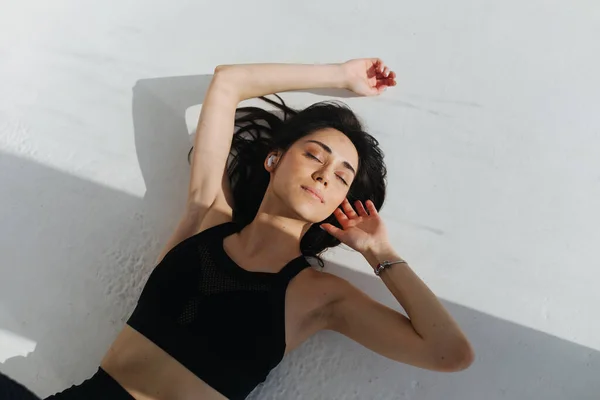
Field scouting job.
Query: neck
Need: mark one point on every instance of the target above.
(272, 237)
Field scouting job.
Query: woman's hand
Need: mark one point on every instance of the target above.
(363, 231)
(368, 76)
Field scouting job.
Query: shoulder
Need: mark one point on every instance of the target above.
(322, 280)
(325, 289)
(336, 286)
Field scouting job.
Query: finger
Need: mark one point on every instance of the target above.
(389, 82)
(391, 79)
(341, 217)
(383, 84)
(371, 208)
(376, 63)
(386, 80)
(333, 230)
(348, 210)
(381, 88)
(360, 208)
(386, 72)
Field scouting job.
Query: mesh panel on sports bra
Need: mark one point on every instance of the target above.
(213, 279)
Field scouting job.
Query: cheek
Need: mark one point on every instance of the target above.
(336, 202)
(294, 173)
(293, 164)
(289, 173)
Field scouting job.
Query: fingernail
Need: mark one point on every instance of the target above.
(322, 228)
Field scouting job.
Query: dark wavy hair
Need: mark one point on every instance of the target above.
(260, 132)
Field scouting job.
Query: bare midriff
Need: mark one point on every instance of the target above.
(148, 373)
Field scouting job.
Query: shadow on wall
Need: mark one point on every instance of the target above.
(76, 256)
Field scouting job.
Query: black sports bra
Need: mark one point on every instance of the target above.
(222, 322)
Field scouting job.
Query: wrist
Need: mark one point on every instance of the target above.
(383, 252)
(338, 77)
(344, 76)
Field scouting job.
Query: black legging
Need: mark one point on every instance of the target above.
(101, 386)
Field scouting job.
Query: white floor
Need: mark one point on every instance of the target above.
(492, 140)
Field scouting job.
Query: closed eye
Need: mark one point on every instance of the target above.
(309, 155)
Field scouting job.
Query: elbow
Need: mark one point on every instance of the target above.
(228, 79)
(222, 73)
(456, 358)
(219, 69)
(227, 72)
(463, 359)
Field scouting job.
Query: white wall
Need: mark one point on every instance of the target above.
(492, 142)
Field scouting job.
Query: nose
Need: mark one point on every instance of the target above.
(321, 176)
(324, 182)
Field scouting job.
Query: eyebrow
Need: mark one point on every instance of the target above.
(328, 149)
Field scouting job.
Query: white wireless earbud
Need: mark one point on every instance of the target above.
(270, 161)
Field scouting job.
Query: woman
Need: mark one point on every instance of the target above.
(233, 292)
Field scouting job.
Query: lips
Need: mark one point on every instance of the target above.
(316, 192)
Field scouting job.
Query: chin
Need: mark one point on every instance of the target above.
(305, 213)
(310, 211)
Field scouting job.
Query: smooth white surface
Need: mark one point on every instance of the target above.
(492, 140)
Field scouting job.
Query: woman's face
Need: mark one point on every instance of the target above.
(313, 177)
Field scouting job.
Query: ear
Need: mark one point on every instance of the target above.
(274, 157)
